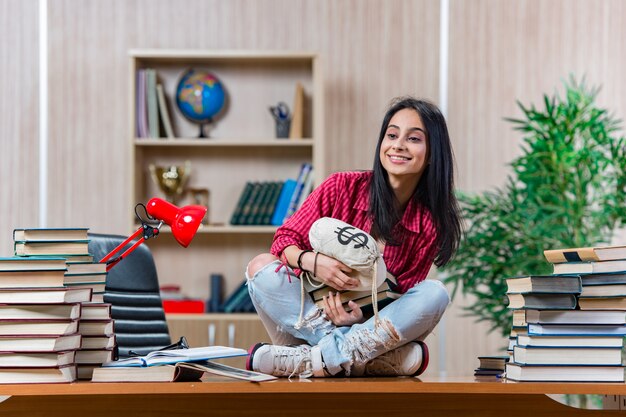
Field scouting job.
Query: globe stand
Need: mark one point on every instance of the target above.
(208, 123)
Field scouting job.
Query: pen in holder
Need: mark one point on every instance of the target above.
(282, 118)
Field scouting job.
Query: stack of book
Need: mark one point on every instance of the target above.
(490, 366)
(272, 202)
(385, 293)
(95, 324)
(567, 339)
(39, 318)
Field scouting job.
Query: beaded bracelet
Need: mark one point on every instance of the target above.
(300, 259)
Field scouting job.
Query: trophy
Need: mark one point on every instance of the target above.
(171, 179)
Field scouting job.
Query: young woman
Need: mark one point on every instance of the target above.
(407, 204)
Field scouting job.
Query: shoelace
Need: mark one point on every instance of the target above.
(296, 358)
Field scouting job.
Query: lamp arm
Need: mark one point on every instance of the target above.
(145, 231)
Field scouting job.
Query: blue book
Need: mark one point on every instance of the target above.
(305, 170)
(283, 202)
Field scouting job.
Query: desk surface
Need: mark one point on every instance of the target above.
(448, 385)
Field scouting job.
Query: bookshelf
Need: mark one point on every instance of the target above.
(241, 147)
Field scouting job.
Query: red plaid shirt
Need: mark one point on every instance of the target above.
(345, 196)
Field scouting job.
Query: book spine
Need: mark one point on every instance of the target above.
(282, 205)
(247, 205)
(236, 217)
(259, 204)
(302, 177)
(270, 204)
(164, 112)
(151, 96)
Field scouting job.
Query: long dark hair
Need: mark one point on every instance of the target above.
(435, 190)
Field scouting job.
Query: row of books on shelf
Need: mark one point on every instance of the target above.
(152, 110)
(570, 326)
(54, 325)
(272, 202)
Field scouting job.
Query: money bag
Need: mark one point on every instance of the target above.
(351, 246)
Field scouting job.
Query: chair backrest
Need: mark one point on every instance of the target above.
(132, 288)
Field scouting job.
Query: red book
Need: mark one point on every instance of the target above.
(183, 306)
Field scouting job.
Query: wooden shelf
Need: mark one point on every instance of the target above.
(209, 229)
(242, 147)
(225, 142)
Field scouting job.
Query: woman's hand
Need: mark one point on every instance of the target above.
(333, 273)
(337, 314)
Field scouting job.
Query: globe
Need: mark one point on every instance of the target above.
(199, 97)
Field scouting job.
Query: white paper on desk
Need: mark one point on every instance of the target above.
(229, 371)
(166, 357)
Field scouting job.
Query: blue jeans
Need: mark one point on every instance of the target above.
(276, 297)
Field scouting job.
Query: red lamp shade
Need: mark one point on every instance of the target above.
(184, 221)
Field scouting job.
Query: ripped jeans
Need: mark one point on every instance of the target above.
(276, 297)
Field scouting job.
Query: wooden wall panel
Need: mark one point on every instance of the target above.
(371, 52)
(19, 118)
(503, 51)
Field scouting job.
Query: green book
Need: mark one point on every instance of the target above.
(261, 208)
(247, 205)
(252, 206)
(236, 217)
(269, 208)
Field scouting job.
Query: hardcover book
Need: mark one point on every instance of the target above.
(166, 373)
(600, 253)
(40, 311)
(570, 341)
(36, 360)
(38, 327)
(40, 343)
(50, 234)
(611, 290)
(590, 356)
(544, 283)
(32, 264)
(96, 327)
(542, 301)
(81, 268)
(37, 278)
(575, 317)
(576, 329)
(557, 373)
(282, 205)
(62, 374)
(96, 311)
(602, 303)
(47, 295)
(589, 267)
(51, 248)
(94, 356)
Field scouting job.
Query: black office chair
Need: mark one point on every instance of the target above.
(132, 288)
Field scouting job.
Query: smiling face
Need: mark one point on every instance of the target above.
(404, 149)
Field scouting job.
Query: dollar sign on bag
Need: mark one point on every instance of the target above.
(344, 236)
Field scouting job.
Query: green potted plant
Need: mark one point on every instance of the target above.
(567, 189)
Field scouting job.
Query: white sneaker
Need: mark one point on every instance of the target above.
(304, 360)
(408, 360)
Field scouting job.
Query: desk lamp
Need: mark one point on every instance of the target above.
(183, 221)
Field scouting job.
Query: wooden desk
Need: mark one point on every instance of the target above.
(314, 397)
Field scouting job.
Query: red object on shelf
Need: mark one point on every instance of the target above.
(183, 306)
